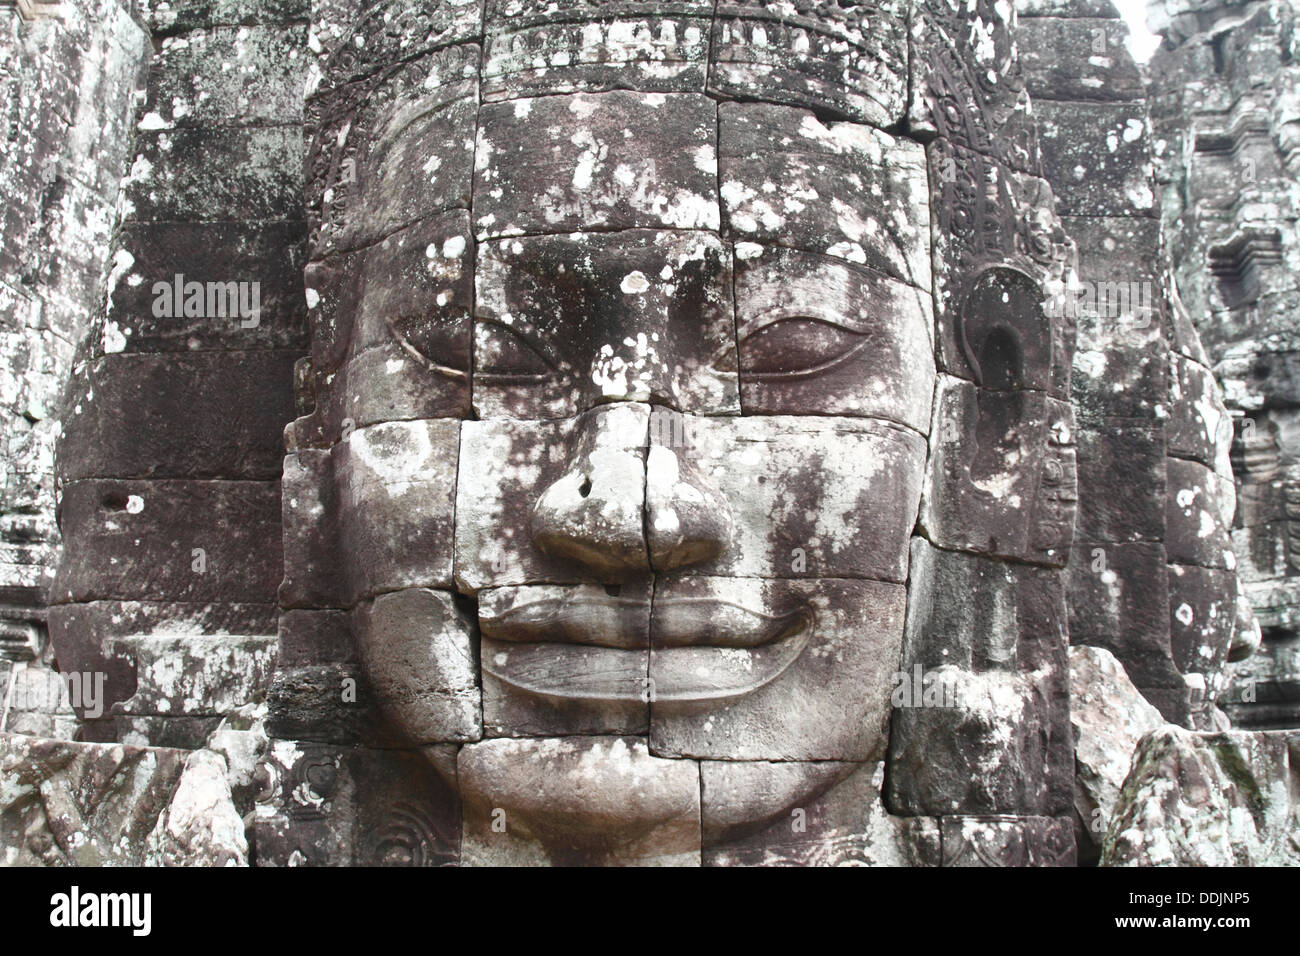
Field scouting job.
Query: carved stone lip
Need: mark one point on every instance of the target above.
(685, 678)
(587, 614)
(580, 614)
(687, 668)
(705, 622)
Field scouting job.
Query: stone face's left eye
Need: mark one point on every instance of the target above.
(505, 355)
(438, 342)
(796, 346)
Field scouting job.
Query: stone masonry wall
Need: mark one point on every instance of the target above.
(66, 83)
(173, 443)
(1152, 574)
(1226, 107)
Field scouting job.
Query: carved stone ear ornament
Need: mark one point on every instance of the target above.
(1004, 331)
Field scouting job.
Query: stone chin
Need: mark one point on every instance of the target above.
(579, 660)
(608, 800)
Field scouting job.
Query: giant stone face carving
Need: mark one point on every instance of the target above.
(621, 402)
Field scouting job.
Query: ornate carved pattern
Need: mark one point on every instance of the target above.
(410, 835)
(394, 32)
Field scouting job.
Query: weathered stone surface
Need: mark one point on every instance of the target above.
(1120, 381)
(1198, 421)
(1217, 799)
(308, 504)
(322, 805)
(509, 533)
(540, 690)
(417, 650)
(1119, 601)
(84, 636)
(686, 297)
(408, 809)
(535, 48)
(414, 289)
(577, 800)
(315, 636)
(207, 541)
(1115, 181)
(851, 520)
(190, 83)
(378, 195)
(76, 804)
(758, 814)
(566, 163)
(1141, 404)
(163, 730)
(991, 841)
(1196, 523)
(843, 60)
(997, 488)
(328, 703)
(971, 95)
(241, 740)
(178, 416)
(1126, 459)
(170, 180)
(195, 675)
(265, 261)
(821, 335)
(782, 171)
(563, 323)
(306, 806)
(1027, 9)
(1001, 267)
(396, 486)
(165, 16)
(1006, 337)
(1120, 273)
(200, 826)
(1203, 618)
(357, 40)
(509, 469)
(1109, 716)
(356, 124)
(1264, 686)
(994, 735)
(1073, 58)
(560, 659)
(729, 656)
(38, 699)
(395, 382)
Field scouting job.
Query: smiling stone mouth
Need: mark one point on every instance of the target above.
(584, 644)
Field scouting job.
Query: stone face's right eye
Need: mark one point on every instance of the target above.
(504, 355)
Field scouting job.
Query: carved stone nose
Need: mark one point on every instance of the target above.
(687, 520)
(594, 512)
(620, 507)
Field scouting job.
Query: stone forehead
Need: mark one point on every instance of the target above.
(841, 60)
(750, 149)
